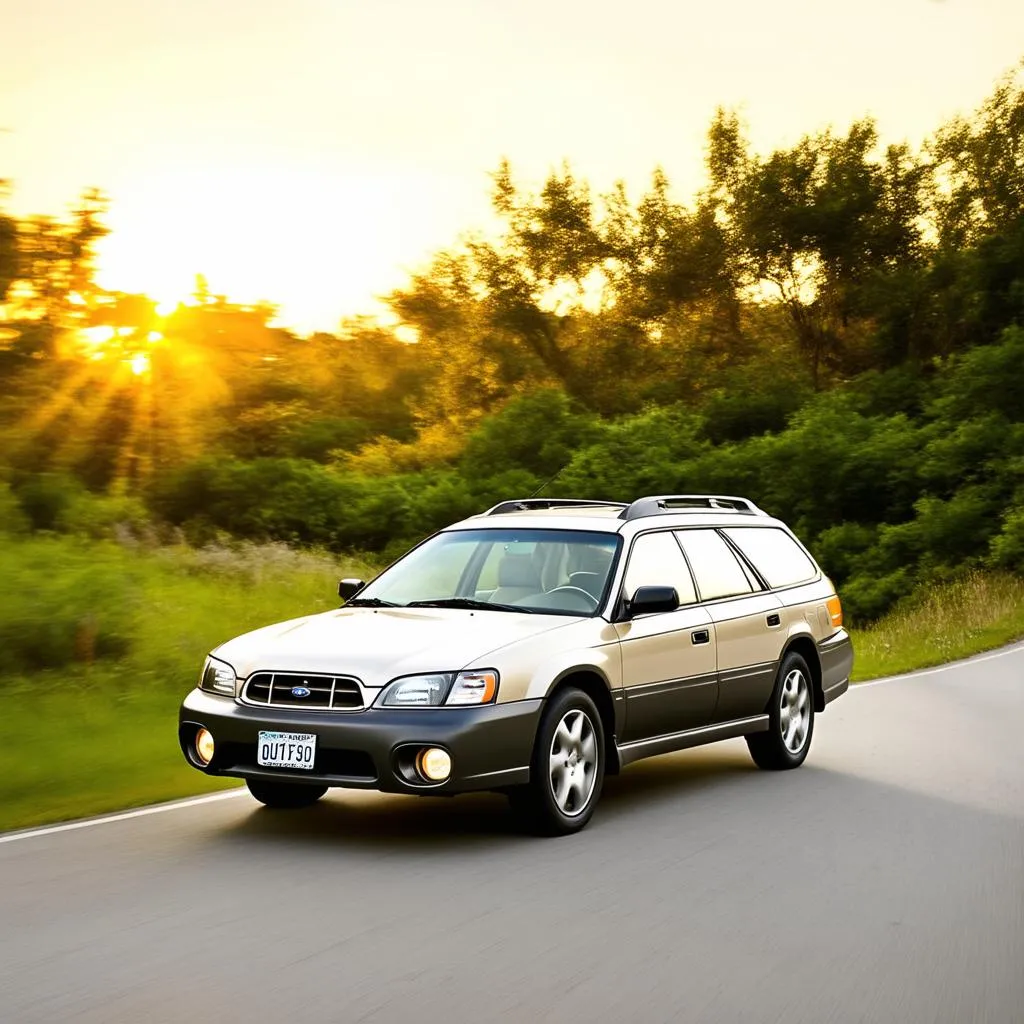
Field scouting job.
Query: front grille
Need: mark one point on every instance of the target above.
(349, 764)
(326, 693)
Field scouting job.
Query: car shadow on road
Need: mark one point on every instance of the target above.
(351, 818)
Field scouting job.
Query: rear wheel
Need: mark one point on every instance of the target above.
(790, 719)
(567, 767)
(285, 795)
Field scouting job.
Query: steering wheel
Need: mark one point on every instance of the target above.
(568, 589)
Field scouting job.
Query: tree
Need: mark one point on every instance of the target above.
(979, 182)
(812, 225)
(8, 246)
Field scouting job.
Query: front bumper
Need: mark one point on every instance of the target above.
(490, 745)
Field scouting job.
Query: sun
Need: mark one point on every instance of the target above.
(139, 364)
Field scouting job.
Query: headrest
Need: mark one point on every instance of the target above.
(592, 559)
(518, 571)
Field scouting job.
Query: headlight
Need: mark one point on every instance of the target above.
(218, 677)
(439, 688)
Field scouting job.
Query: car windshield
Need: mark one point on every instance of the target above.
(554, 572)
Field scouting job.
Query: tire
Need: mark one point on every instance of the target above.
(790, 719)
(566, 769)
(285, 796)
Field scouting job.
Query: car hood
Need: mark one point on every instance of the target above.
(377, 644)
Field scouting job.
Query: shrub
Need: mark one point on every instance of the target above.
(13, 520)
(63, 603)
(46, 497)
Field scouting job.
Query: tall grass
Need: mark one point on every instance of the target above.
(99, 643)
(75, 612)
(953, 620)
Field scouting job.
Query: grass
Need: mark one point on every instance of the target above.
(954, 620)
(70, 755)
(99, 642)
(98, 733)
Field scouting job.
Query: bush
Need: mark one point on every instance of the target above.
(46, 497)
(64, 603)
(538, 433)
(13, 520)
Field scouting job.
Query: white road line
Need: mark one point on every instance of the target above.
(139, 812)
(198, 801)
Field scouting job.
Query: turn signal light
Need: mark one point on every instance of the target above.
(835, 611)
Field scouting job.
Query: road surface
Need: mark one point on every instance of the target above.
(883, 881)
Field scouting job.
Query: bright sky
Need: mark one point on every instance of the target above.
(311, 152)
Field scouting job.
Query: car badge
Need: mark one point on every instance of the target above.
(300, 691)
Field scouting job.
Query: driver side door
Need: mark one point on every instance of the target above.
(669, 659)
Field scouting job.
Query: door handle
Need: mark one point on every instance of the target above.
(701, 636)
(773, 619)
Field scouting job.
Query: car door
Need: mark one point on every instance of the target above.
(668, 658)
(747, 621)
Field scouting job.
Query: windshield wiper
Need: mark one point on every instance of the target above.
(372, 602)
(468, 602)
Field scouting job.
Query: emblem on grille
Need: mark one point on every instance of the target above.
(300, 691)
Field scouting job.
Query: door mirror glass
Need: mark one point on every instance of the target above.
(653, 599)
(348, 588)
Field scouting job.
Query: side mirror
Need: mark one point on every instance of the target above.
(653, 599)
(348, 588)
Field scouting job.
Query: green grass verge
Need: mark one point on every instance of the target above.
(99, 643)
(98, 731)
(954, 620)
(75, 754)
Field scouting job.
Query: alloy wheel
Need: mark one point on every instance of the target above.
(573, 762)
(795, 711)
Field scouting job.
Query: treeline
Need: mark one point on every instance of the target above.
(834, 329)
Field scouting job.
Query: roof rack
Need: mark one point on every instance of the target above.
(666, 503)
(531, 504)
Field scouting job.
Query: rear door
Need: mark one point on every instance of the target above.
(668, 658)
(747, 621)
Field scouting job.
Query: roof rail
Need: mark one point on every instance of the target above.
(529, 504)
(665, 503)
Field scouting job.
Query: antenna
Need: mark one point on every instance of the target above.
(548, 482)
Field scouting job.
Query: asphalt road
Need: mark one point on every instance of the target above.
(883, 881)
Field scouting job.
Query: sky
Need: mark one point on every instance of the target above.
(313, 153)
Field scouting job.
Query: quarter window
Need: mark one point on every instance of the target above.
(774, 554)
(718, 571)
(656, 561)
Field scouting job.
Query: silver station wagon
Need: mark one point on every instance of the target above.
(532, 650)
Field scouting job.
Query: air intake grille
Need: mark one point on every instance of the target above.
(303, 692)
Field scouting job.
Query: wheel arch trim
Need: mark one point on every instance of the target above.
(805, 645)
(594, 682)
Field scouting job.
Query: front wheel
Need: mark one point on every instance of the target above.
(567, 767)
(790, 719)
(285, 795)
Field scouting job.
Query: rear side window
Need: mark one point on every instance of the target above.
(774, 554)
(656, 561)
(716, 568)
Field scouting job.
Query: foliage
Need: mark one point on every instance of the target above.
(835, 328)
(64, 603)
(81, 620)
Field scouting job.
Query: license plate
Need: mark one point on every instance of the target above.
(286, 750)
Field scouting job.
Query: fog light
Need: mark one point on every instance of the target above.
(204, 746)
(434, 764)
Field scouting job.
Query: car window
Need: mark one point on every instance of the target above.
(718, 571)
(656, 561)
(774, 554)
(562, 572)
